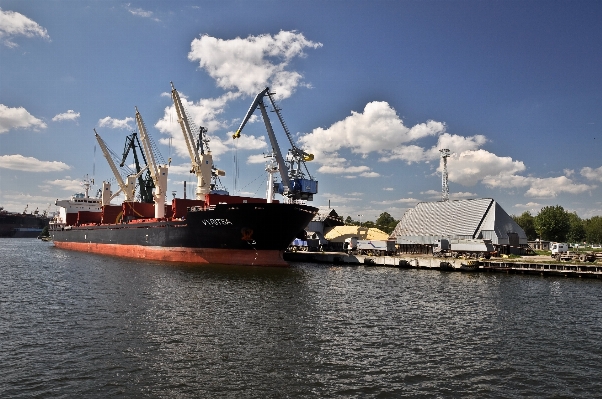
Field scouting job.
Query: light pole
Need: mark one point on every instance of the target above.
(360, 216)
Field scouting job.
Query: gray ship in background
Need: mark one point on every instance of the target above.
(22, 225)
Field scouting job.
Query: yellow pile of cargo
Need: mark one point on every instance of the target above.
(340, 233)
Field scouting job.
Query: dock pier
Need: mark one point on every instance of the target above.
(519, 266)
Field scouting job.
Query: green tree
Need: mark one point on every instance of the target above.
(576, 231)
(527, 222)
(386, 222)
(349, 221)
(552, 223)
(593, 230)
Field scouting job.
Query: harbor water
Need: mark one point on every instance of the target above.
(81, 325)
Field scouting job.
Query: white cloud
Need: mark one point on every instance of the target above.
(206, 113)
(461, 195)
(70, 115)
(249, 65)
(369, 174)
(15, 24)
(113, 123)
(337, 198)
(470, 167)
(397, 201)
(343, 169)
(455, 143)
(377, 128)
(592, 174)
(139, 12)
(552, 186)
(182, 169)
(18, 118)
(257, 158)
(529, 205)
(548, 187)
(30, 164)
(67, 184)
(388, 189)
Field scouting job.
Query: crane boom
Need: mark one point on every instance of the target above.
(202, 163)
(294, 184)
(258, 102)
(158, 172)
(185, 126)
(128, 190)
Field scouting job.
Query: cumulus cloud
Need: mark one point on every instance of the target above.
(377, 128)
(70, 115)
(113, 123)
(249, 65)
(30, 164)
(18, 118)
(470, 167)
(14, 24)
(592, 174)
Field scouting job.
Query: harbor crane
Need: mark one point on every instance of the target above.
(127, 187)
(144, 182)
(157, 172)
(295, 185)
(198, 150)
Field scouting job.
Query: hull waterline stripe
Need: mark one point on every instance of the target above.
(181, 254)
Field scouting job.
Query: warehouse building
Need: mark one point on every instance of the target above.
(421, 226)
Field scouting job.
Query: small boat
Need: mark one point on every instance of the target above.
(469, 266)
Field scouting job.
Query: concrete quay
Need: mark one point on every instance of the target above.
(525, 265)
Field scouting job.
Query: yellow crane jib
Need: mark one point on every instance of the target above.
(236, 135)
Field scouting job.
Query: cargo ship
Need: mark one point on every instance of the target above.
(21, 225)
(212, 228)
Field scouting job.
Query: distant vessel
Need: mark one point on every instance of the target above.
(21, 225)
(212, 228)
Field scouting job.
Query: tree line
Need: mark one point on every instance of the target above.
(553, 223)
(385, 222)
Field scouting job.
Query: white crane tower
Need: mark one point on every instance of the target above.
(158, 172)
(198, 150)
(444, 186)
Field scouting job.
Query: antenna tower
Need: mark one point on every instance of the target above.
(444, 186)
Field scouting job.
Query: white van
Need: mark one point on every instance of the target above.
(559, 247)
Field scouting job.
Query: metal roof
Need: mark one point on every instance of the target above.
(445, 218)
(474, 218)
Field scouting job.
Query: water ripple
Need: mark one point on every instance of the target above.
(79, 325)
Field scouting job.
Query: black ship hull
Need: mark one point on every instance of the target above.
(14, 225)
(248, 233)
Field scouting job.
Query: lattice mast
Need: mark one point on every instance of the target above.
(444, 180)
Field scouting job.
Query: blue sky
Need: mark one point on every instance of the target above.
(373, 89)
